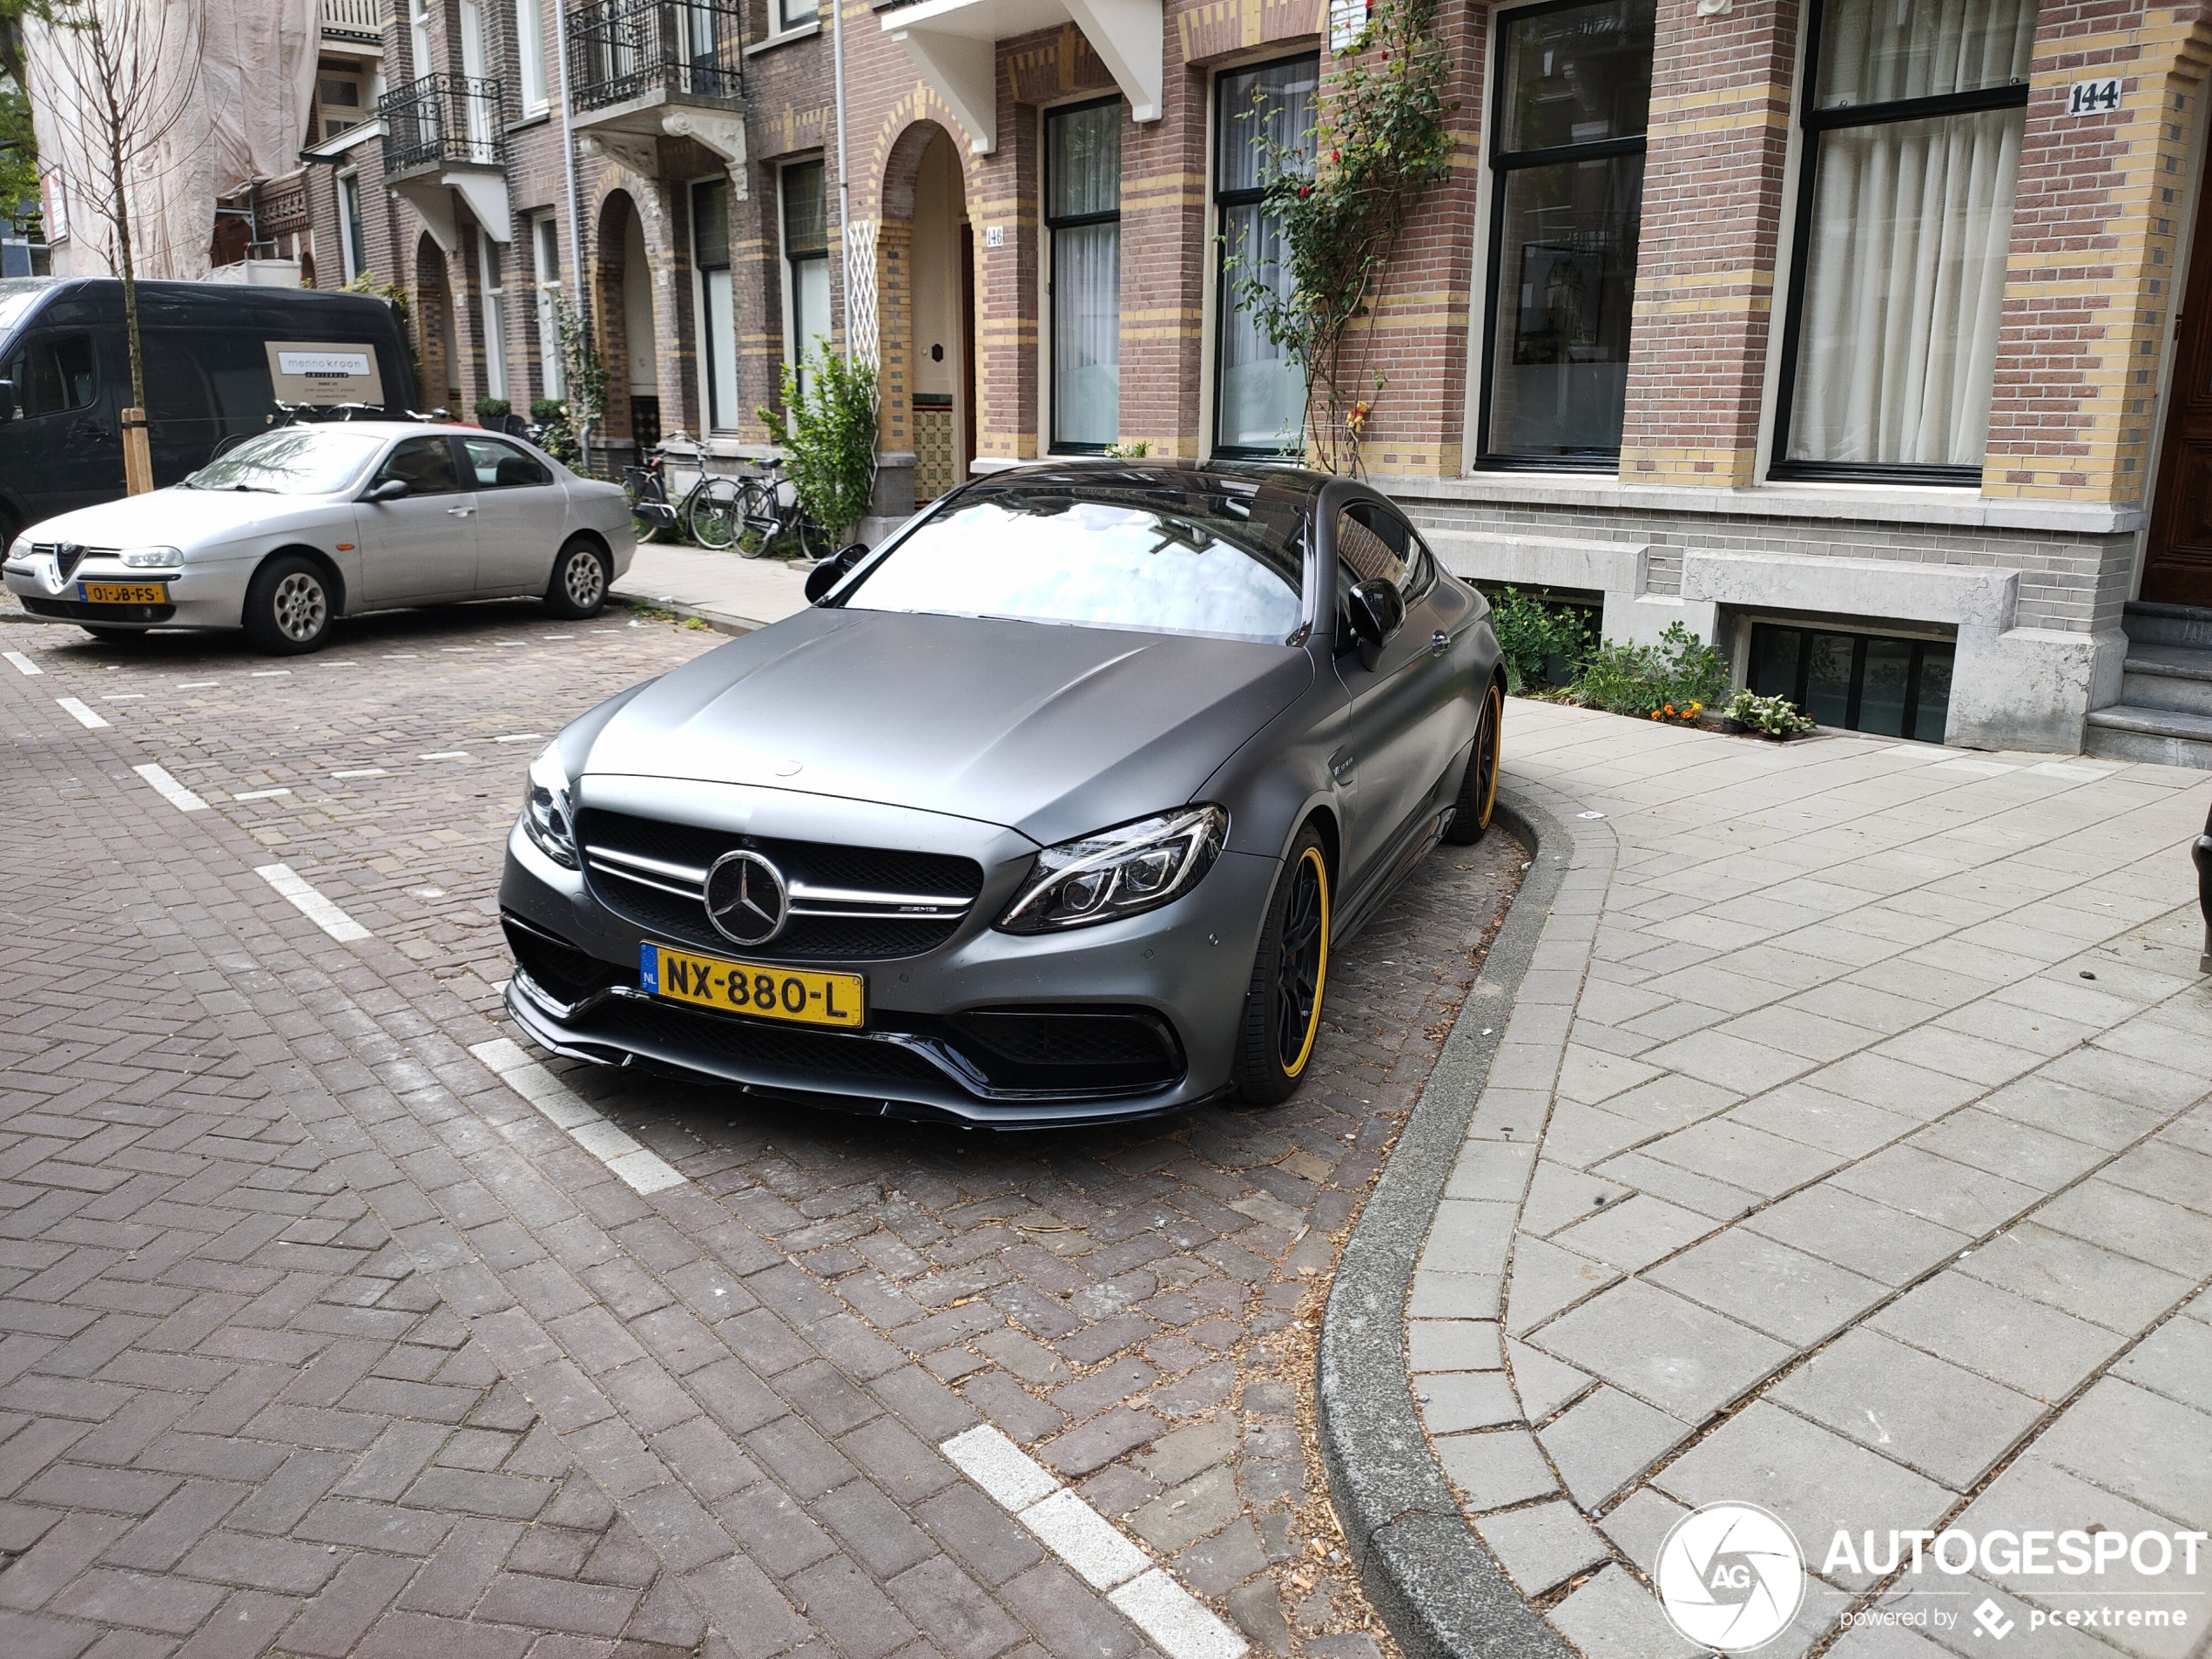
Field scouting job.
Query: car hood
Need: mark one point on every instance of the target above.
(1051, 731)
(178, 517)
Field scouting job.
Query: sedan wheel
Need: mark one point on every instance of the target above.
(1282, 1021)
(579, 586)
(288, 607)
(1477, 801)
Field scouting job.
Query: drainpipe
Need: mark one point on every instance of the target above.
(576, 204)
(844, 190)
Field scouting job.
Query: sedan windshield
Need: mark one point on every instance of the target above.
(1168, 558)
(294, 460)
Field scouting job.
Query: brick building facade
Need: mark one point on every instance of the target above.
(1840, 331)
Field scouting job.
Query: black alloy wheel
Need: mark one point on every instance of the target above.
(1477, 801)
(1282, 1021)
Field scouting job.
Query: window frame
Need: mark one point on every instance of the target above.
(353, 226)
(702, 296)
(1854, 703)
(1224, 306)
(795, 348)
(545, 238)
(492, 313)
(1497, 164)
(492, 440)
(530, 56)
(781, 25)
(1812, 124)
(1052, 225)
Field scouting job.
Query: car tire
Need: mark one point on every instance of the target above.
(1282, 1020)
(579, 590)
(289, 606)
(1477, 801)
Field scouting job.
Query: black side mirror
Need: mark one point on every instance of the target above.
(832, 570)
(1377, 610)
(10, 409)
(390, 489)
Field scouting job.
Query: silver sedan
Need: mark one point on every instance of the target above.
(298, 527)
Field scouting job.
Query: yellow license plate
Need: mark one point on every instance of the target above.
(748, 987)
(122, 593)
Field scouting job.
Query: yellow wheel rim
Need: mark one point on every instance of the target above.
(1492, 717)
(1305, 953)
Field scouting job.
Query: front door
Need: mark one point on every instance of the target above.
(62, 453)
(2177, 565)
(521, 515)
(422, 547)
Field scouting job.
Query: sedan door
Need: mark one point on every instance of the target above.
(422, 547)
(522, 516)
(1408, 713)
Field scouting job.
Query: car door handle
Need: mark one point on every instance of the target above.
(1440, 641)
(459, 512)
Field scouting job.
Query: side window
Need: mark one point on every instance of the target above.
(493, 465)
(53, 376)
(426, 464)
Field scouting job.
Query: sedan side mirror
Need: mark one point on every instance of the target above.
(11, 409)
(1377, 611)
(832, 570)
(390, 489)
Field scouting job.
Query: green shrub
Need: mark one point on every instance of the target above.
(1530, 633)
(1770, 716)
(1678, 672)
(489, 409)
(557, 437)
(828, 428)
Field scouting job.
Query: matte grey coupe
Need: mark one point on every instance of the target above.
(1051, 810)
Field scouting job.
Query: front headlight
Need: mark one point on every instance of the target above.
(1118, 872)
(149, 558)
(548, 817)
(21, 550)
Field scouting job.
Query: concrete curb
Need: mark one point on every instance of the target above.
(722, 622)
(1432, 1578)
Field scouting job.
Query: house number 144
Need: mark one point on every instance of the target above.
(2093, 97)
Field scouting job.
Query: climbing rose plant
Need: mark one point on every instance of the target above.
(1339, 197)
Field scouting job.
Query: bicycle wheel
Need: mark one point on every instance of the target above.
(815, 543)
(759, 519)
(714, 513)
(640, 486)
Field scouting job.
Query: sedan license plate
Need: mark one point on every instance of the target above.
(122, 593)
(786, 993)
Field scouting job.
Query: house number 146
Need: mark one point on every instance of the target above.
(2093, 97)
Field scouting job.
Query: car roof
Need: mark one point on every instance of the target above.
(1286, 477)
(397, 428)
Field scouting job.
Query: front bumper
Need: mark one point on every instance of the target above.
(200, 596)
(1184, 969)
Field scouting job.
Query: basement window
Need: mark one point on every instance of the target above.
(1873, 683)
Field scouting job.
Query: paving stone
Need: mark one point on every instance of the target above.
(1543, 1547)
(1859, 1233)
(1605, 1440)
(1635, 1232)
(1925, 1412)
(1495, 1469)
(2174, 1360)
(2120, 1291)
(2124, 1438)
(1615, 1617)
(1768, 1286)
(1543, 1383)
(2024, 1345)
(1668, 1351)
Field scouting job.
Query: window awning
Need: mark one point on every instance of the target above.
(953, 43)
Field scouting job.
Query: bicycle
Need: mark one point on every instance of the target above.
(710, 509)
(773, 520)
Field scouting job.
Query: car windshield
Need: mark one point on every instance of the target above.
(1165, 557)
(293, 461)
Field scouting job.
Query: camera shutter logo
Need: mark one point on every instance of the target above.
(746, 898)
(1731, 1576)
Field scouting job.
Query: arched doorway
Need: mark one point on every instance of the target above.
(624, 307)
(932, 336)
(437, 334)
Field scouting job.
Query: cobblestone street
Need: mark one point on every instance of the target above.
(333, 1323)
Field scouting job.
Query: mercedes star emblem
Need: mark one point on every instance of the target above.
(746, 898)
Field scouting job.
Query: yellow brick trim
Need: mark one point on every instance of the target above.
(1730, 469)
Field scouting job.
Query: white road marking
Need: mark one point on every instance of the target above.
(518, 737)
(270, 673)
(343, 662)
(640, 1170)
(261, 795)
(1149, 1596)
(459, 648)
(549, 637)
(365, 771)
(196, 685)
(170, 790)
(24, 665)
(123, 696)
(80, 713)
(310, 904)
(448, 754)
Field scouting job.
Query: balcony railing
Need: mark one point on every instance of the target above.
(454, 119)
(621, 49)
(280, 206)
(356, 20)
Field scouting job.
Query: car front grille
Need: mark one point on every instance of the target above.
(834, 1060)
(848, 903)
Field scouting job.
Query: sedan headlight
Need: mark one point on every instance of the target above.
(148, 558)
(1118, 872)
(21, 550)
(548, 817)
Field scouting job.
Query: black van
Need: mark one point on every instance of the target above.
(218, 357)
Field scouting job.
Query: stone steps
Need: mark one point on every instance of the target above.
(2164, 714)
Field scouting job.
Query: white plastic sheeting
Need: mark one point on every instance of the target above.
(239, 76)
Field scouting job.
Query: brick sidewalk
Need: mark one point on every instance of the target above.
(732, 1363)
(1848, 1152)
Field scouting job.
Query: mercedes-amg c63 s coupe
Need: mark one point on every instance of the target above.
(1051, 809)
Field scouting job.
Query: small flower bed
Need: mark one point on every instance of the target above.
(1659, 681)
(1770, 716)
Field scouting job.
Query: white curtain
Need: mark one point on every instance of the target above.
(1905, 263)
(1087, 333)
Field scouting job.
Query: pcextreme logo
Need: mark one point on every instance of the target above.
(1731, 1576)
